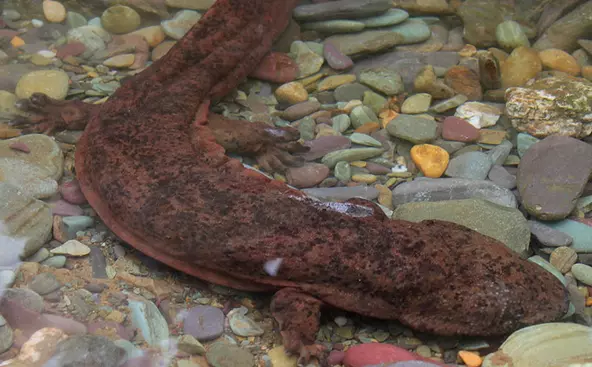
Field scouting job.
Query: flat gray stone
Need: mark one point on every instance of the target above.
(471, 165)
(552, 176)
(442, 189)
(549, 236)
(341, 9)
(506, 225)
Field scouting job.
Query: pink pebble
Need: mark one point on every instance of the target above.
(335, 357)
(375, 353)
(20, 146)
(65, 209)
(71, 192)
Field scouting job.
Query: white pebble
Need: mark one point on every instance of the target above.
(47, 53)
(37, 23)
(399, 168)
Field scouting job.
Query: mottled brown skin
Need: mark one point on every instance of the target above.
(150, 163)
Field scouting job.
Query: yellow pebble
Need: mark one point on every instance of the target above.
(494, 137)
(16, 41)
(364, 178)
(467, 51)
(334, 81)
(368, 128)
(470, 359)
(560, 60)
(392, 181)
(587, 72)
(387, 116)
(360, 164)
(54, 11)
(92, 74)
(385, 196)
(588, 301)
(430, 159)
(293, 92)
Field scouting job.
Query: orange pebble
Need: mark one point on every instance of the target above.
(470, 359)
(368, 128)
(589, 301)
(430, 159)
(16, 41)
(386, 117)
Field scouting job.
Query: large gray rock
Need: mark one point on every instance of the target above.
(441, 189)
(552, 176)
(506, 225)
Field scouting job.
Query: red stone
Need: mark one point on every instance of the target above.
(70, 49)
(464, 81)
(457, 129)
(308, 175)
(276, 68)
(71, 192)
(375, 353)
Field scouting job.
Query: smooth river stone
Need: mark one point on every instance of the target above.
(341, 9)
(366, 42)
(441, 189)
(580, 233)
(552, 176)
(506, 225)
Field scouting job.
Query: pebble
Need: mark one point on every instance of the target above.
(334, 81)
(417, 103)
(120, 61)
(524, 142)
(242, 325)
(221, 354)
(6, 335)
(583, 273)
(464, 81)
(522, 65)
(430, 159)
(479, 114)
(412, 31)
(54, 11)
(362, 355)
(7, 278)
(427, 81)
(548, 186)
(509, 35)
(566, 344)
(180, 24)
(350, 92)
(342, 193)
(44, 283)
(161, 50)
(300, 110)
(154, 35)
(471, 165)
(146, 317)
(548, 236)
(189, 344)
(364, 139)
(560, 60)
(72, 193)
(55, 262)
(383, 80)
(452, 189)
(308, 175)
(505, 224)
(415, 129)
(279, 358)
(390, 17)
(87, 350)
(501, 177)
(457, 129)
(204, 322)
(75, 20)
(94, 39)
(72, 248)
(53, 83)
(308, 61)
(26, 224)
(39, 348)
(120, 19)
(350, 155)
(335, 58)
(361, 115)
(342, 9)
(448, 104)
(562, 258)
(334, 26)
(63, 208)
(292, 93)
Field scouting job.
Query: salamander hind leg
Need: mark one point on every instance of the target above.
(48, 115)
(298, 315)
